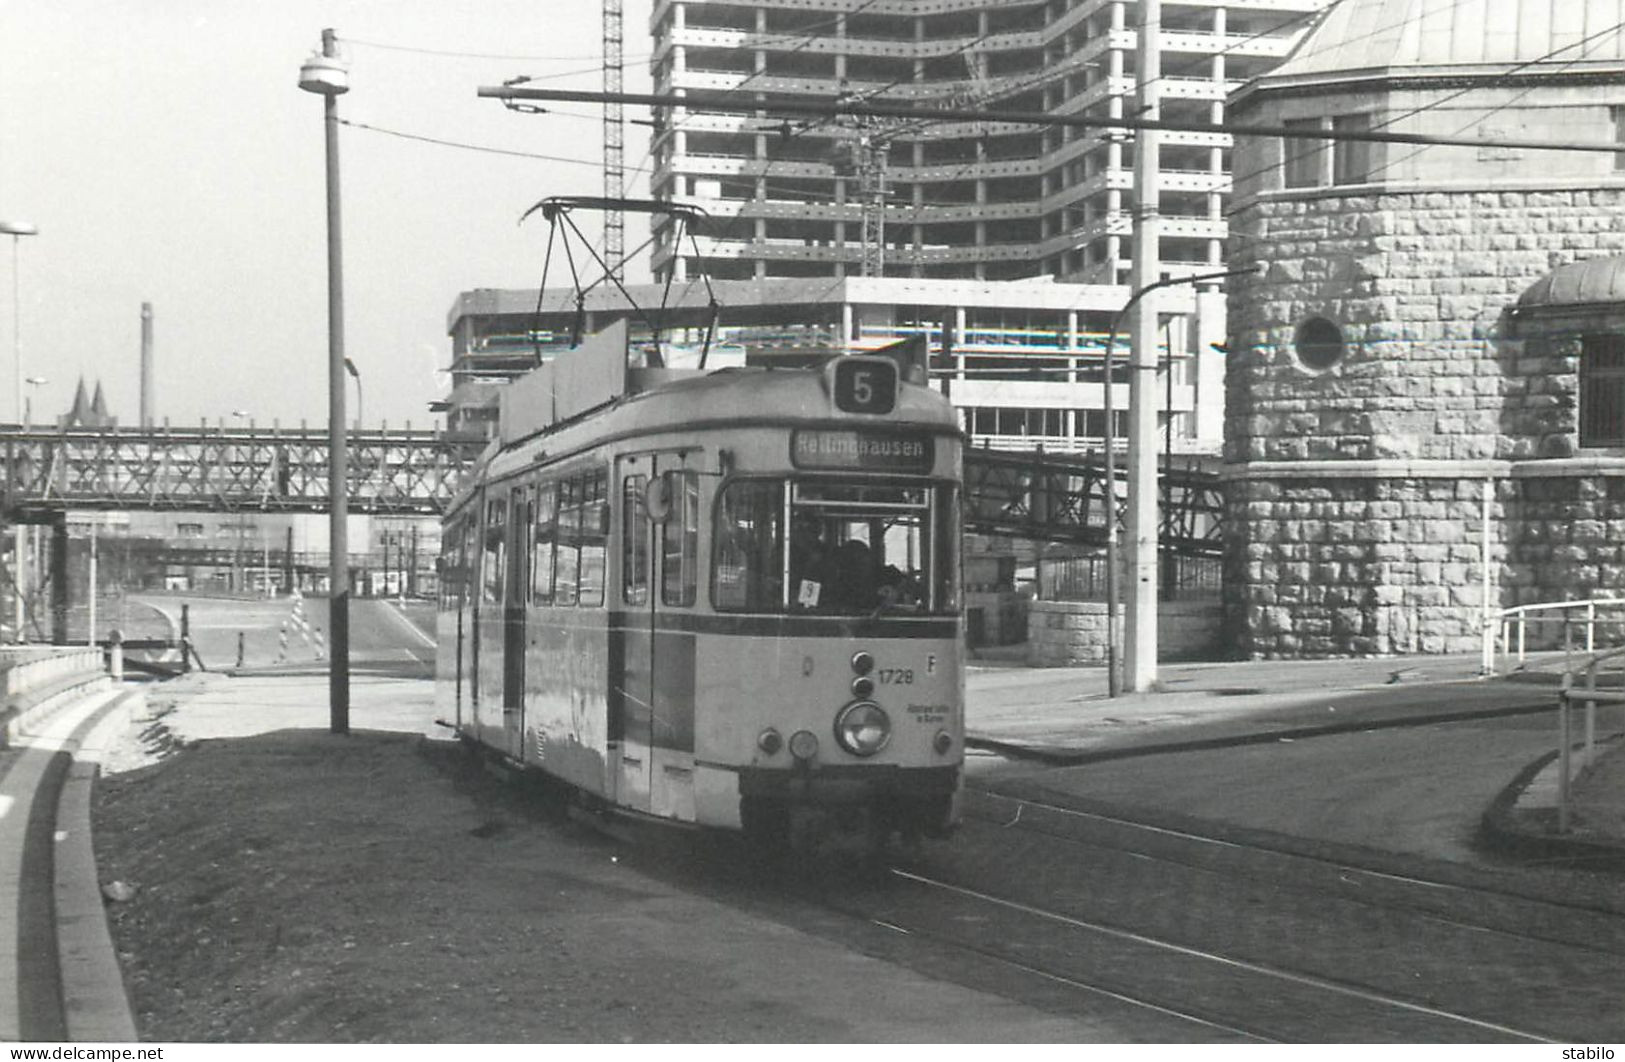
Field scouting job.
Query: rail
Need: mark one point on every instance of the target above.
(1507, 633)
(1590, 696)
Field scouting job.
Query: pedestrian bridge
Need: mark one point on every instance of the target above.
(1032, 495)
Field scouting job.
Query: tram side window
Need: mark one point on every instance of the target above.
(634, 542)
(747, 575)
(491, 567)
(679, 574)
(593, 527)
(451, 574)
(567, 557)
(541, 550)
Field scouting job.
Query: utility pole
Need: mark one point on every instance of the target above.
(1141, 621)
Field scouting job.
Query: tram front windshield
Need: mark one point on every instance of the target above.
(836, 547)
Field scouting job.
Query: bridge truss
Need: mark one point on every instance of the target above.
(390, 472)
(1065, 499)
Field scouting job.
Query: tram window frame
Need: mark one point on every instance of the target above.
(743, 507)
(593, 527)
(494, 537)
(520, 517)
(567, 547)
(542, 542)
(922, 581)
(635, 551)
(451, 576)
(680, 538)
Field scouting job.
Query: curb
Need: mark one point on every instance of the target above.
(94, 1000)
(1529, 832)
(1059, 757)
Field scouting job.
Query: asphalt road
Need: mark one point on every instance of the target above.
(386, 637)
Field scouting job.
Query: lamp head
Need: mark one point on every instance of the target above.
(18, 228)
(325, 75)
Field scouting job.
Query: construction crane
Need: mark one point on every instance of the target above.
(614, 142)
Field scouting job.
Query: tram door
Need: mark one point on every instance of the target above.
(654, 712)
(632, 678)
(515, 603)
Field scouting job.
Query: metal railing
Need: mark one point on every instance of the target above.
(1512, 632)
(1590, 696)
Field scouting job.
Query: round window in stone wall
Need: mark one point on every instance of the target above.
(1318, 344)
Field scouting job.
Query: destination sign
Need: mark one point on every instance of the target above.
(817, 448)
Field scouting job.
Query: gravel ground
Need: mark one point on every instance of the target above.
(293, 886)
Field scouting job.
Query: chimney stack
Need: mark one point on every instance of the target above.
(146, 365)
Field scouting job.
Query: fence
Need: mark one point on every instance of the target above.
(1083, 578)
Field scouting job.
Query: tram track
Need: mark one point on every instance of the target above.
(1232, 953)
(1469, 900)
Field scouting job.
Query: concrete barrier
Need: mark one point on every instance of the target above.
(36, 680)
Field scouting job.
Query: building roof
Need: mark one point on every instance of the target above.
(1593, 282)
(1370, 37)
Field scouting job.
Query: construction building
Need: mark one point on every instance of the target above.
(950, 199)
(1024, 362)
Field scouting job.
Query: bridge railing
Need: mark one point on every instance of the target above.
(37, 680)
(1580, 687)
(1513, 633)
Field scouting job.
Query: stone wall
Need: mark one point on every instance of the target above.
(1071, 633)
(1355, 519)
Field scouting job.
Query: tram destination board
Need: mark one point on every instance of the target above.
(858, 449)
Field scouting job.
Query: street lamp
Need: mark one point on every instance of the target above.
(355, 374)
(328, 76)
(17, 230)
(28, 399)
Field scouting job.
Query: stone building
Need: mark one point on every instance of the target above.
(1426, 387)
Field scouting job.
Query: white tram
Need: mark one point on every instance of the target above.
(727, 598)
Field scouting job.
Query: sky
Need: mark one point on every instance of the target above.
(166, 155)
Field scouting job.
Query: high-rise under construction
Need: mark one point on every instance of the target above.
(948, 199)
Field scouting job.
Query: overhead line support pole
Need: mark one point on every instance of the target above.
(1140, 622)
(1113, 680)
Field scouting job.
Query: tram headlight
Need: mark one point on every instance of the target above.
(803, 744)
(769, 741)
(862, 728)
(942, 742)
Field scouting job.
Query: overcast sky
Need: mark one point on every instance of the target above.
(167, 155)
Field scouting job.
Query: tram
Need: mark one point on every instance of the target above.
(727, 598)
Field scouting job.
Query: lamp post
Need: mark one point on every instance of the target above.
(28, 398)
(328, 76)
(355, 374)
(17, 230)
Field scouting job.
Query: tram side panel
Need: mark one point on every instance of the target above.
(567, 697)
